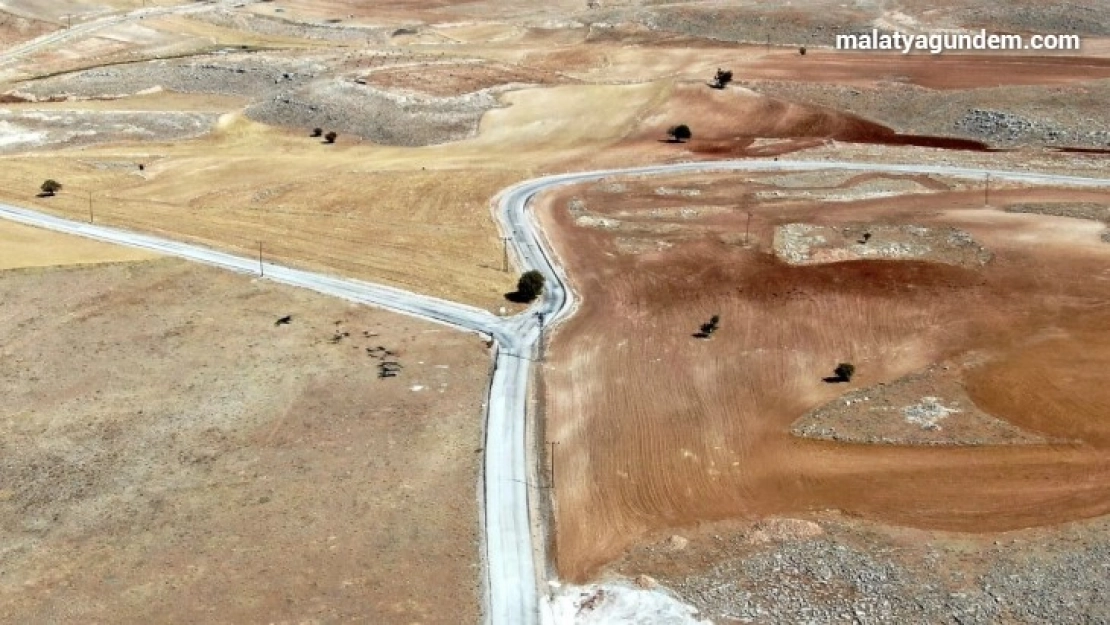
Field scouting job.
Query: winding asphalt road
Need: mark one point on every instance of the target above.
(512, 596)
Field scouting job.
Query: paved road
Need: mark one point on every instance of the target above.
(512, 596)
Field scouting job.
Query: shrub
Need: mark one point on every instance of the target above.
(530, 285)
(317, 132)
(331, 136)
(723, 77)
(680, 133)
(802, 50)
(845, 371)
(50, 187)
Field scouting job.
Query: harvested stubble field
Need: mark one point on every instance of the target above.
(171, 455)
(659, 430)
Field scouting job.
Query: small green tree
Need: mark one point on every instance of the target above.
(680, 133)
(331, 136)
(317, 132)
(530, 285)
(845, 371)
(50, 187)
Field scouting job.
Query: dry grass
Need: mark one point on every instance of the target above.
(325, 207)
(23, 246)
(170, 455)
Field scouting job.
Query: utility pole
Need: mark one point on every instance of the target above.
(768, 42)
(551, 457)
(90, 208)
(261, 270)
(540, 317)
(505, 254)
(746, 228)
(987, 192)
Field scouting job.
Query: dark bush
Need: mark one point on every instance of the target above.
(845, 371)
(50, 187)
(530, 286)
(680, 133)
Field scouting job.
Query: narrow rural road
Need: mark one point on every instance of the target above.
(512, 578)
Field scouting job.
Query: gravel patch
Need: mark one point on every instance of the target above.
(280, 27)
(58, 128)
(1001, 116)
(380, 116)
(240, 75)
(847, 576)
(810, 244)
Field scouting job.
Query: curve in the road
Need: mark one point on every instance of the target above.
(512, 596)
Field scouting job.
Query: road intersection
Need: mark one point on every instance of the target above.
(511, 573)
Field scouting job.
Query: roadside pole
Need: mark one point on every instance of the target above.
(551, 458)
(987, 192)
(261, 270)
(90, 208)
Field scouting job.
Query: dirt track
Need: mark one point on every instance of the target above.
(659, 430)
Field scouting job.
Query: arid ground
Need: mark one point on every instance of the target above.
(169, 454)
(659, 430)
(196, 121)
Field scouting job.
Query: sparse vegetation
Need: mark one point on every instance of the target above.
(50, 187)
(707, 329)
(844, 371)
(530, 286)
(680, 133)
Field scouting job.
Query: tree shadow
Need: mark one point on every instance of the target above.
(517, 297)
(833, 379)
(701, 335)
(672, 140)
(44, 194)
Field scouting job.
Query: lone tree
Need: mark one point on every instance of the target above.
(530, 285)
(680, 133)
(317, 132)
(723, 77)
(331, 136)
(50, 187)
(844, 371)
(802, 50)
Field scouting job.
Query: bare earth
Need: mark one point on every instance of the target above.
(270, 476)
(170, 455)
(659, 430)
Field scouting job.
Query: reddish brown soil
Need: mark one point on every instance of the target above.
(725, 122)
(943, 71)
(660, 430)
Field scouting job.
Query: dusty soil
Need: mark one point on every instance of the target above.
(169, 454)
(659, 430)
